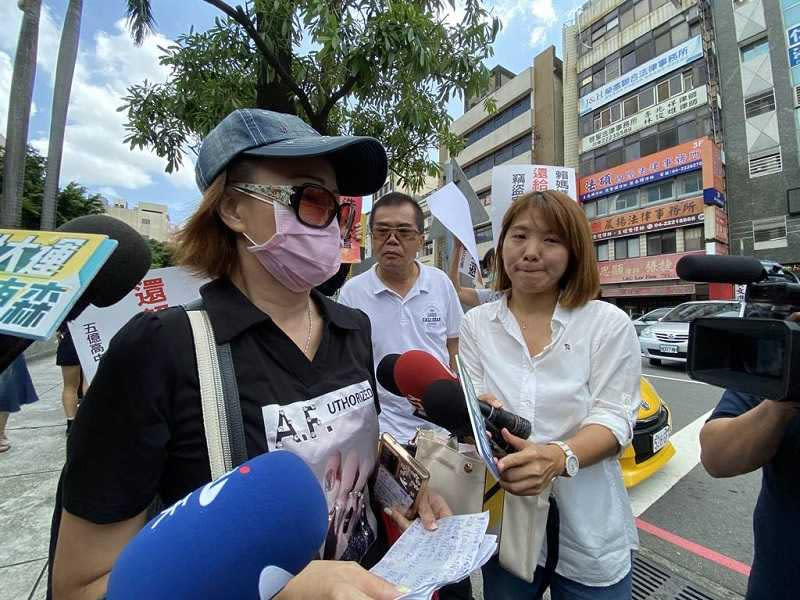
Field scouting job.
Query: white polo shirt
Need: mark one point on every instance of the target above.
(425, 319)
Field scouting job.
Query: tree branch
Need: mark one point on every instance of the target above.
(238, 15)
(338, 95)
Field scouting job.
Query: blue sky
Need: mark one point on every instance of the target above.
(108, 63)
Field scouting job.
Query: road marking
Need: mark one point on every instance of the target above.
(649, 376)
(687, 456)
(695, 548)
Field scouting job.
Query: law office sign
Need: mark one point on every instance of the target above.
(650, 116)
(678, 57)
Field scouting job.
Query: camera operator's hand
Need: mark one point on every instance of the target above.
(337, 580)
(732, 446)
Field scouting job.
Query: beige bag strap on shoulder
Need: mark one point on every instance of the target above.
(215, 420)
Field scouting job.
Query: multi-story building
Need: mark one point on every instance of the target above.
(642, 126)
(150, 220)
(758, 42)
(525, 128)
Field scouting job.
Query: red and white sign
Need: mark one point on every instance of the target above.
(159, 289)
(653, 290)
(648, 268)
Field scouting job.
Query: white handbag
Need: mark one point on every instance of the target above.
(468, 487)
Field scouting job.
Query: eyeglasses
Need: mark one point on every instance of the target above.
(382, 232)
(314, 205)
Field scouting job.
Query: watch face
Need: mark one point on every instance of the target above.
(572, 466)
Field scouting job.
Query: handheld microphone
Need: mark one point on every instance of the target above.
(241, 536)
(119, 275)
(720, 269)
(446, 407)
(385, 373)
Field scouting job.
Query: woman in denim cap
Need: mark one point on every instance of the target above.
(267, 232)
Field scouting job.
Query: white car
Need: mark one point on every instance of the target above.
(650, 318)
(669, 338)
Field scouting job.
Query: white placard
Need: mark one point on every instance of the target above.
(159, 289)
(451, 208)
(509, 182)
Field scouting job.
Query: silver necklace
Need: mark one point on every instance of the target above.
(308, 337)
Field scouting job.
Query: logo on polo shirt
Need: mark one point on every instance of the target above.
(432, 317)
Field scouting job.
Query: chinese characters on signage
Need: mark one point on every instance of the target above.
(640, 269)
(697, 154)
(650, 116)
(42, 275)
(720, 225)
(793, 39)
(687, 52)
(665, 216)
(94, 341)
(509, 182)
(151, 295)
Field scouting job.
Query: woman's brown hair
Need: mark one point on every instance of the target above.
(564, 217)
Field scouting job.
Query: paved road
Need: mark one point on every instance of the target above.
(683, 500)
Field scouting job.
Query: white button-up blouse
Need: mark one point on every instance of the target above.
(588, 374)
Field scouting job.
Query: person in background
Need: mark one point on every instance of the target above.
(570, 365)
(16, 389)
(411, 306)
(471, 297)
(745, 433)
(71, 374)
(266, 233)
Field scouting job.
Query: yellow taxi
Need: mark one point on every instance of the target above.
(651, 448)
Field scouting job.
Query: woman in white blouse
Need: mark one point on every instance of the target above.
(571, 365)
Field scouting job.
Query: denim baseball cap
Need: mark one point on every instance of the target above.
(359, 162)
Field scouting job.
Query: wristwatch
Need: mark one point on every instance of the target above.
(571, 465)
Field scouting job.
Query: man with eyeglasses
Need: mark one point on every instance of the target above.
(411, 306)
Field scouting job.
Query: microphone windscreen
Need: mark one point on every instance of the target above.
(228, 538)
(445, 406)
(385, 373)
(416, 370)
(720, 269)
(126, 266)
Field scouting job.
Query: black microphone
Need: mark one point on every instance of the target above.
(126, 266)
(385, 374)
(446, 407)
(720, 269)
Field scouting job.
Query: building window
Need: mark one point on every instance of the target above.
(145, 221)
(602, 207)
(627, 200)
(601, 251)
(759, 104)
(691, 183)
(498, 120)
(693, 238)
(661, 243)
(793, 201)
(590, 208)
(769, 233)
(754, 49)
(626, 248)
(765, 163)
(483, 234)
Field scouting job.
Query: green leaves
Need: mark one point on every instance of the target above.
(365, 67)
(140, 20)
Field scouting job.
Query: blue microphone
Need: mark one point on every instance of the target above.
(241, 536)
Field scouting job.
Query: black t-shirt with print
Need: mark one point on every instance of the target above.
(139, 431)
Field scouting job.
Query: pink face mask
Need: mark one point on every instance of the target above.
(298, 256)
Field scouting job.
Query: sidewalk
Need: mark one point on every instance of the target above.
(28, 477)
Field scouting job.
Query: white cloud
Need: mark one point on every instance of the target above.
(108, 62)
(538, 35)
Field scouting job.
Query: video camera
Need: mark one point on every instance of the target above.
(759, 352)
